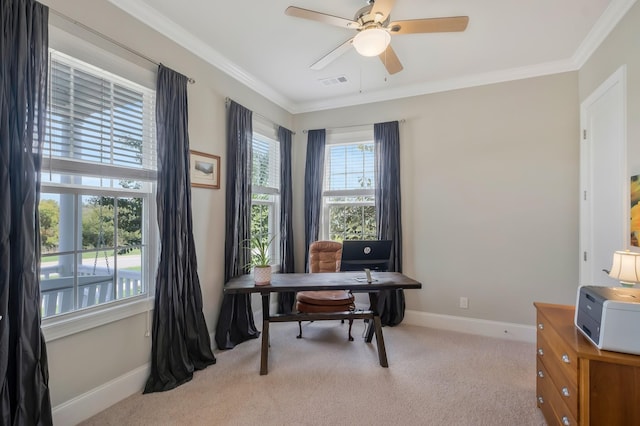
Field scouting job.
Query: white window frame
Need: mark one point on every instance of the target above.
(73, 41)
(266, 132)
(348, 136)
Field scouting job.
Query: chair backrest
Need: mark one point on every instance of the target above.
(325, 256)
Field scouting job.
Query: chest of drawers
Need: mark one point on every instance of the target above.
(577, 384)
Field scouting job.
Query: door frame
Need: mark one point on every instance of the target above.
(619, 79)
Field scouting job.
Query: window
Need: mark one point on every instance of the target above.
(348, 196)
(265, 186)
(97, 201)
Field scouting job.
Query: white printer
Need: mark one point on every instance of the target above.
(609, 317)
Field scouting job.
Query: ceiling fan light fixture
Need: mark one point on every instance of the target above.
(372, 41)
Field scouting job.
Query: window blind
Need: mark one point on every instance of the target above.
(99, 119)
(266, 165)
(349, 161)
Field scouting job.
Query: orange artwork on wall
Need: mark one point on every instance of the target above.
(635, 210)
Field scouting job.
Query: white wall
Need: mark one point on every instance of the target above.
(621, 47)
(87, 360)
(489, 190)
(489, 194)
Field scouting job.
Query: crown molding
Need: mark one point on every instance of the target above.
(605, 24)
(463, 82)
(146, 14)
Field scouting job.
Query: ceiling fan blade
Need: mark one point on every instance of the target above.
(332, 56)
(390, 60)
(430, 25)
(382, 7)
(321, 17)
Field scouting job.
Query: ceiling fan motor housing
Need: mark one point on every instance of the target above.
(367, 20)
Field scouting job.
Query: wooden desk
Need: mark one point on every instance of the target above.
(576, 382)
(322, 281)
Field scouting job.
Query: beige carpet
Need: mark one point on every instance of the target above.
(434, 378)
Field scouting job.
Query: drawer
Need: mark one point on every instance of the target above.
(565, 382)
(555, 412)
(550, 401)
(557, 348)
(565, 394)
(544, 405)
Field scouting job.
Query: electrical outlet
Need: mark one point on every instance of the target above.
(464, 303)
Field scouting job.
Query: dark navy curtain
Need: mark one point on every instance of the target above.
(313, 172)
(391, 304)
(286, 300)
(181, 342)
(235, 321)
(24, 374)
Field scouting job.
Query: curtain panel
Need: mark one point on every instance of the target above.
(24, 374)
(181, 342)
(235, 321)
(391, 304)
(286, 300)
(313, 173)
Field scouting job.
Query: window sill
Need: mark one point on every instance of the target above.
(66, 325)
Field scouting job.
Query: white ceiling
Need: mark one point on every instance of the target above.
(256, 43)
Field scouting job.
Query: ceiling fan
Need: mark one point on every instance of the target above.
(374, 26)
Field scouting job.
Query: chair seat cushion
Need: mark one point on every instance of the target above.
(311, 309)
(325, 297)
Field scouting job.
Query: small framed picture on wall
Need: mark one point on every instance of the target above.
(204, 170)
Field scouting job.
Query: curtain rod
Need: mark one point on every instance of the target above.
(402, 120)
(110, 40)
(226, 104)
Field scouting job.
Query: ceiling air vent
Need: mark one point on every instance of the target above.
(332, 81)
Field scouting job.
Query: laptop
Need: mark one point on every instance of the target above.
(358, 255)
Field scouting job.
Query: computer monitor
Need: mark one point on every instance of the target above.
(360, 254)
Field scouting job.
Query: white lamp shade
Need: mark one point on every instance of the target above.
(626, 267)
(371, 42)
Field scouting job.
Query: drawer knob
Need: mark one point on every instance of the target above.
(540, 351)
(540, 400)
(540, 374)
(565, 359)
(541, 326)
(565, 392)
(565, 421)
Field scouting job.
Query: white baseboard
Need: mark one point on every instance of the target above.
(92, 402)
(104, 396)
(503, 330)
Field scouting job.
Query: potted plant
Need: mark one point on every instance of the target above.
(260, 260)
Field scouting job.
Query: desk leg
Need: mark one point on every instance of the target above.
(377, 328)
(264, 351)
(369, 333)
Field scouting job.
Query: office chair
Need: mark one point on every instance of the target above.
(325, 256)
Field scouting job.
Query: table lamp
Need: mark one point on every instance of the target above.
(626, 268)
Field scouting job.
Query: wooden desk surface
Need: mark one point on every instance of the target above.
(354, 281)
